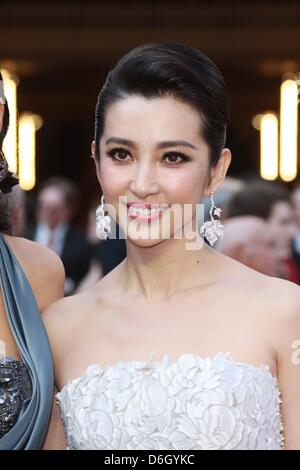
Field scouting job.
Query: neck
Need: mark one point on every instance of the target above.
(166, 268)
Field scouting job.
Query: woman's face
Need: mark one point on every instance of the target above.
(152, 152)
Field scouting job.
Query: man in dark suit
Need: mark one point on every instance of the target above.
(56, 205)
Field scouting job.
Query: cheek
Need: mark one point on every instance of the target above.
(113, 178)
(186, 186)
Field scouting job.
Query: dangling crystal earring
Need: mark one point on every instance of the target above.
(213, 229)
(102, 222)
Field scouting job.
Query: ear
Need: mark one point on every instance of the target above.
(93, 149)
(1, 115)
(96, 160)
(217, 173)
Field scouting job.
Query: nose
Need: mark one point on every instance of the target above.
(144, 181)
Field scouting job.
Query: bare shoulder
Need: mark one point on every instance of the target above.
(77, 309)
(281, 297)
(32, 254)
(71, 309)
(62, 320)
(275, 300)
(283, 300)
(72, 324)
(71, 316)
(272, 289)
(43, 251)
(285, 292)
(42, 267)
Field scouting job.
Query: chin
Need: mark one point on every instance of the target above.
(145, 243)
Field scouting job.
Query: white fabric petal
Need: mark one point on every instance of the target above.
(191, 403)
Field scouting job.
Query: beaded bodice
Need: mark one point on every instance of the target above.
(15, 388)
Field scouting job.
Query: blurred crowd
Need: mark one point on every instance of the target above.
(261, 228)
(50, 219)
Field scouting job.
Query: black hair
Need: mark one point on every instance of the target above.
(5, 123)
(9, 181)
(156, 70)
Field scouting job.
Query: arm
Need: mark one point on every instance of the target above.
(288, 354)
(49, 278)
(43, 268)
(59, 319)
(55, 438)
(52, 288)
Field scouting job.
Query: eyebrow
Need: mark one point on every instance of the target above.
(159, 145)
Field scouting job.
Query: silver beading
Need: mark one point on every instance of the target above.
(213, 229)
(103, 221)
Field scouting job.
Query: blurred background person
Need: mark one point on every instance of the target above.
(248, 240)
(57, 203)
(107, 254)
(271, 202)
(296, 205)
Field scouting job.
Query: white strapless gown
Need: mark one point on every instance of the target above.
(189, 404)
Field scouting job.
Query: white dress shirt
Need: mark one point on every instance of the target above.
(53, 238)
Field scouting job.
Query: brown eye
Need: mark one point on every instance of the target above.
(175, 157)
(119, 154)
(172, 158)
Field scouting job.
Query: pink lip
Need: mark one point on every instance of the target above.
(143, 206)
(143, 218)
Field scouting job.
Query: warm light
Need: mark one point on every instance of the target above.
(28, 124)
(288, 130)
(256, 121)
(269, 146)
(10, 83)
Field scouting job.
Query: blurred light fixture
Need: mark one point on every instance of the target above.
(285, 159)
(269, 146)
(256, 121)
(288, 130)
(28, 125)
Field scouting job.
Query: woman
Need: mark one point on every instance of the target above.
(220, 333)
(31, 278)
